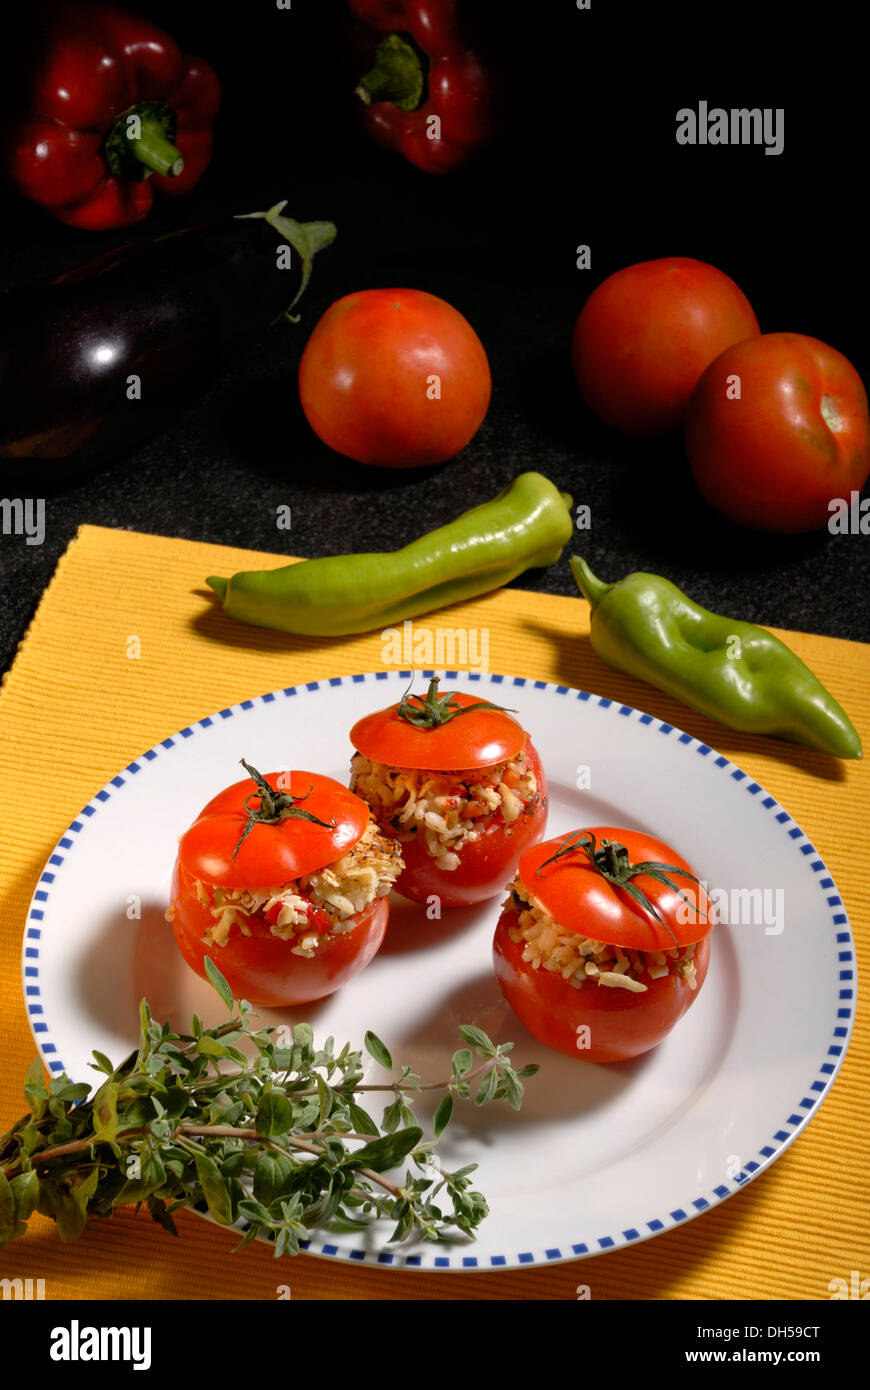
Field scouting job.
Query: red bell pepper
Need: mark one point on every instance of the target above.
(117, 113)
(428, 93)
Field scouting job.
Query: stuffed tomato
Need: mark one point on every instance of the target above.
(459, 783)
(603, 942)
(283, 880)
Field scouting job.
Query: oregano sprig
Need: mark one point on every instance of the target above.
(279, 1144)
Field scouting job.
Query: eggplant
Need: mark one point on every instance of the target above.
(95, 360)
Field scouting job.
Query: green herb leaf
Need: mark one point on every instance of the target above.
(344, 1224)
(375, 1048)
(220, 984)
(214, 1189)
(34, 1089)
(386, 1152)
(513, 1088)
(443, 1115)
(361, 1120)
(161, 1215)
(325, 1098)
(272, 1177)
(486, 1089)
(25, 1189)
(152, 1175)
(476, 1038)
(8, 1222)
(102, 1063)
(253, 1211)
(274, 1115)
(287, 1242)
(70, 1204)
(463, 1061)
(105, 1109)
(144, 1030)
(69, 1217)
(392, 1116)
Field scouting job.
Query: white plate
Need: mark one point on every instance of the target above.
(600, 1156)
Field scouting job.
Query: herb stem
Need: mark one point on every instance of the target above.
(396, 1086)
(292, 1141)
(381, 1181)
(74, 1147)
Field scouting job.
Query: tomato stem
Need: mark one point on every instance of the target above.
(612, 861)
(436, 710)
(615, 857)
(274, 806)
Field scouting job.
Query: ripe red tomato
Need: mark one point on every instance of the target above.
(621, 1023)
(484, 864)
(646, 334)
(396, 378)
(272, 854)
(262, 967)
(475, 741)
(777, 427)
(482, 739)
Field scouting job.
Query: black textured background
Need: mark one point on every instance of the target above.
(587, 155)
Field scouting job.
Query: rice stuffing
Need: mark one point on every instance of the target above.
(547, 946)
(448, 809)
(331, 896)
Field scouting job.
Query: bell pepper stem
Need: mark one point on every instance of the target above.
(219, 585)
(152, 148)
(140, 142)
(592, 589)
(396, 76)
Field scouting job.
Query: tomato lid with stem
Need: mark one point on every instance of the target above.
(444, 733)
(618, 886)
(267, 830)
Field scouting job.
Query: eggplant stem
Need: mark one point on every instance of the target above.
(306, 239)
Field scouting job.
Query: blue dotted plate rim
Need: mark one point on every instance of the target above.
(787, 1131)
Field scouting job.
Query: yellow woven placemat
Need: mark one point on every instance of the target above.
(75, 708)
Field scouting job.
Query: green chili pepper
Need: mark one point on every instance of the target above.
(525, 526)
(731, 671)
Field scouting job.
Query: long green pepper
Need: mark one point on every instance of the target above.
(731, 671)
(525, 526)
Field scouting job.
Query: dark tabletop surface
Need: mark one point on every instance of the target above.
(587, 155)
